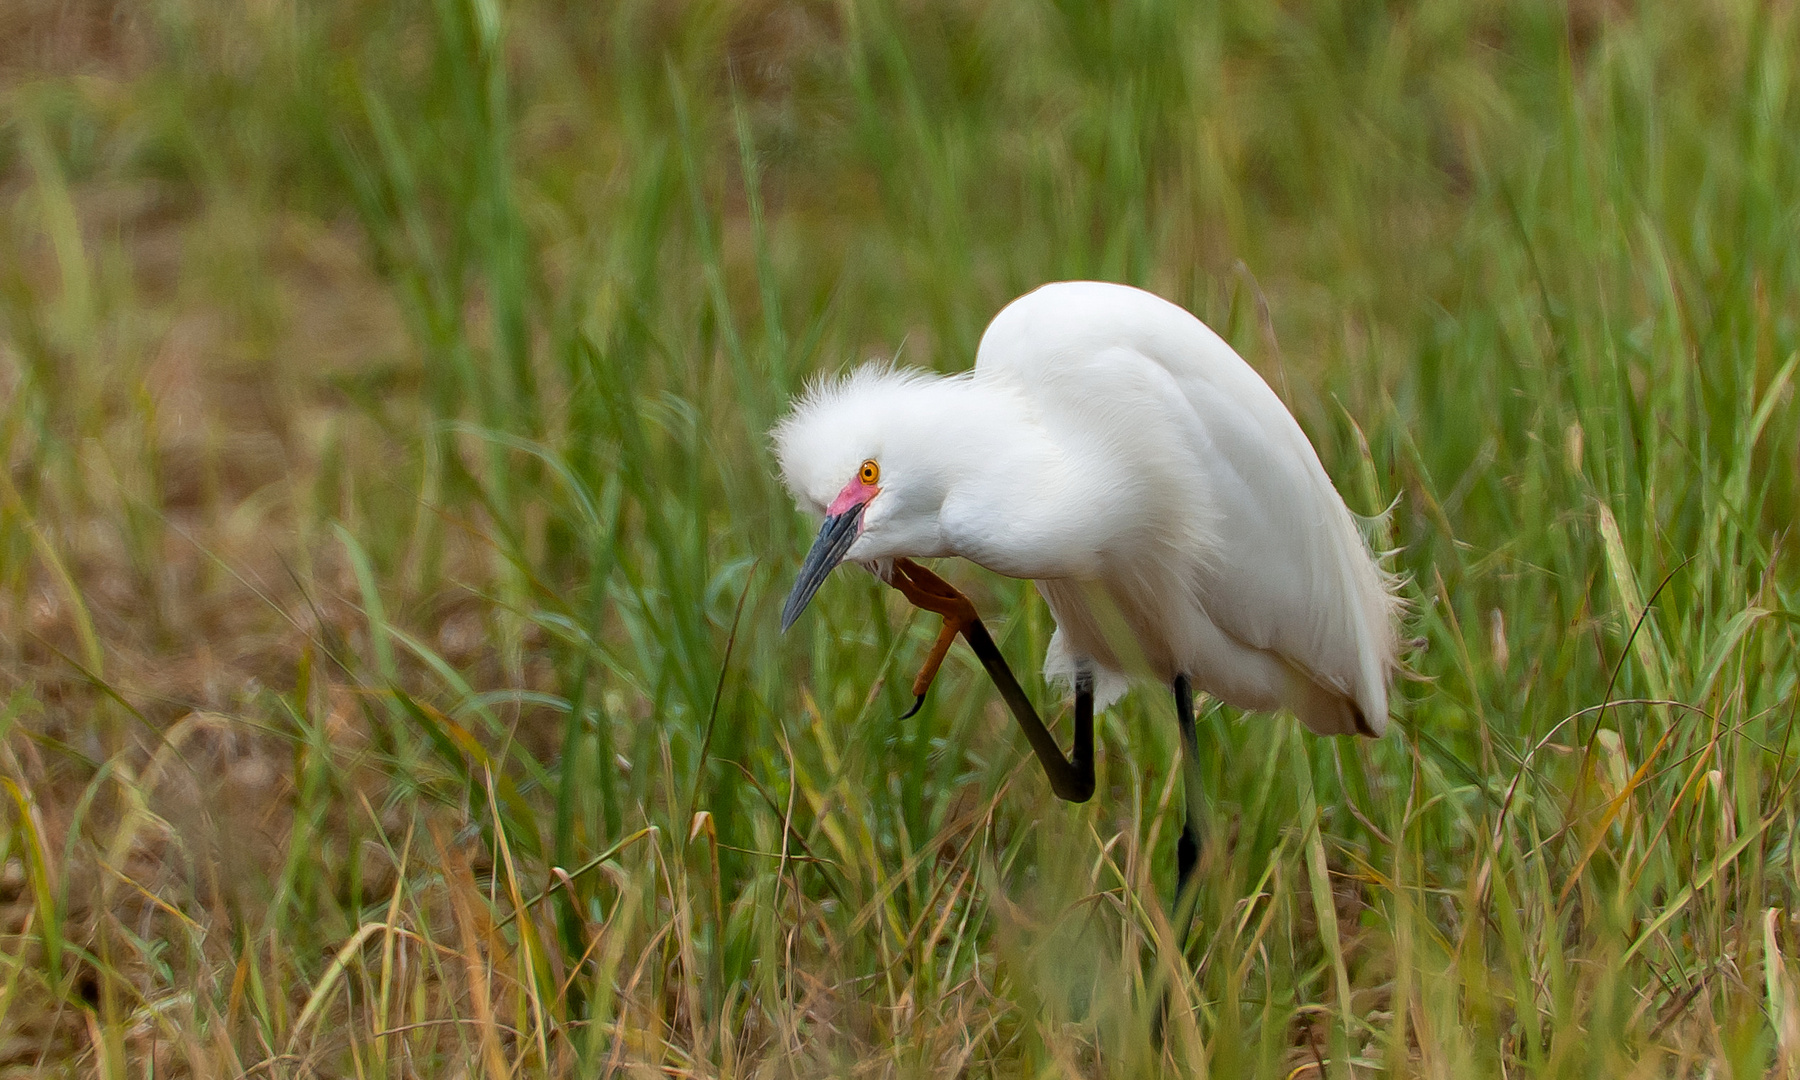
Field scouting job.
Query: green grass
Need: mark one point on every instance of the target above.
(388, 520)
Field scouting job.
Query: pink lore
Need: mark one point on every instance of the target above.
(855, 493)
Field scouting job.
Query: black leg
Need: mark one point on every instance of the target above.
(1083, 750)
(1187, 851)
(1073, 781)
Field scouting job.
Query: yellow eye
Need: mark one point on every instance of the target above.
(869, 473)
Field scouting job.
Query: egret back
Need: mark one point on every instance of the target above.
(1255, 567)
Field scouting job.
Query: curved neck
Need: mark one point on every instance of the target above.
(1025, 502)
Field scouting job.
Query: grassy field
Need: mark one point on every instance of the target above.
(391, 551)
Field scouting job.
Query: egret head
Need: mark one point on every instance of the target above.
(868, 452)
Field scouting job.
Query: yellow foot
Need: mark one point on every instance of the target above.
(926, 590)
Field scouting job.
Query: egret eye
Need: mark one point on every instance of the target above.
(869, 473)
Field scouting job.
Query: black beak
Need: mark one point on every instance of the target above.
(835, 538)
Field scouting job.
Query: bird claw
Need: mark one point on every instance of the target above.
(932, 593)
(925, 590)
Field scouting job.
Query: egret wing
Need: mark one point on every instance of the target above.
(1275, 556)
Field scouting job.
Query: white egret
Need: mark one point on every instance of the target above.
(1110, 447)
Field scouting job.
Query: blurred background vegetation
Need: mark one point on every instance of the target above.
(390, 549)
